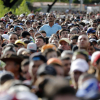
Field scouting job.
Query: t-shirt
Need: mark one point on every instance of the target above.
(50, 30)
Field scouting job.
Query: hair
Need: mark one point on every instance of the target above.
(82, 52)
(25, 62)
(13, 33)
(24, 34)
(74, 37)
(48, 51)
(41, 38)
(42, 32)
(93, 35)
(62, 31)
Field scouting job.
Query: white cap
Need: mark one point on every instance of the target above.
(79, 65)
(5, 36)
(32, 47)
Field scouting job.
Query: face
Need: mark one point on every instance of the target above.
(59, 70)
(32, 33)
(35, 67)
(18, 31)
(64, 34)
(24, 28)
(75, 76)
(25, 72)
(91, 49)
(74, 42)
(66, 66)
(83, 42)
(20, 45)
(51, 55)
(11, 66)
(12, 38)
(64, 45)
(39, 42)
(44, 34)
(51, 18)
(92, 37)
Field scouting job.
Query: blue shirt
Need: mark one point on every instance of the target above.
(50, 30)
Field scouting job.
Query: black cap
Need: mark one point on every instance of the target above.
(45, 69)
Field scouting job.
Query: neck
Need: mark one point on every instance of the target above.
(51, 24)
(98, 74)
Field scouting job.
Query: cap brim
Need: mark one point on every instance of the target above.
(80, 93)
(64, 40)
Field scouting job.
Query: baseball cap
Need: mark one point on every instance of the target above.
(5, 36)
(45, 69)
(92, 40)
(95, 57)
(54, 61)
(18, 27)
(91, 30)
(64, 39)
(29, 29)
(48, 46)
(79, 65)
(37, 56)
(88, 89)
(32, 47)
(19, 41)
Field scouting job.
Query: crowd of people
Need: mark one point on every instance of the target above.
(50, 56)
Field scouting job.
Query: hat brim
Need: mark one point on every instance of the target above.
(64, 40)
(18, 60)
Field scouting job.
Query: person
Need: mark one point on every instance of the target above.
(63, 33)
(64, 44)
(40, 41)
(36, 59)
(18, 30)
(25, 68)
(66, 62)
(50, 53)
(13, 65)
(88, 85)
(62, 91)
(57, 64)
(51, 27)
(12, 38)
(43, 33)
(83, 42)
(78, 67)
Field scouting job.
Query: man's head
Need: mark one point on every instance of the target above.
(74, 39)
(51, 17)
(43, 33)
(12, 63)
(83, 42)
(81, 54)
(64, 44)
(40, 41)
(26, 35)
(63, 33)
(78, 67)
(50, 53)
(13, 37)
(36, 60)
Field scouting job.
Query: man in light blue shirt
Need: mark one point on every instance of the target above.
(51, 27)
